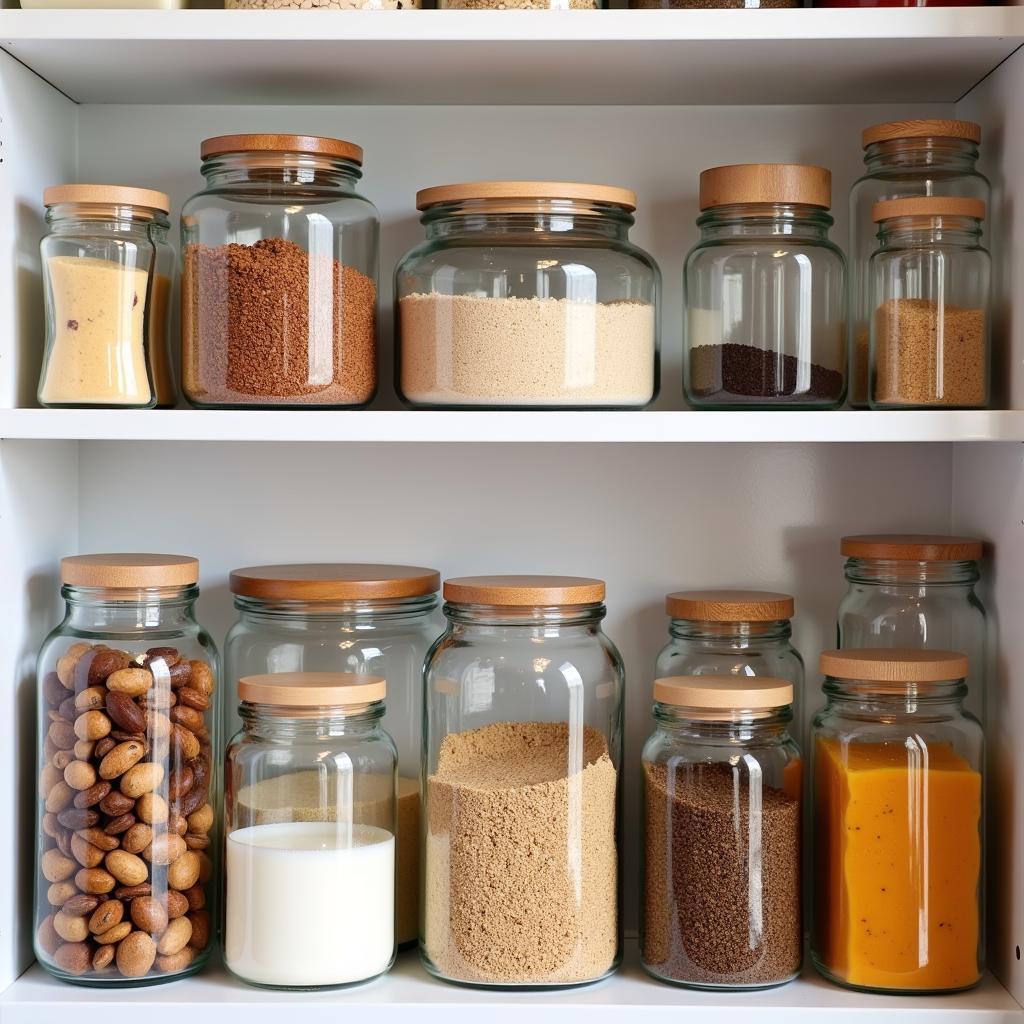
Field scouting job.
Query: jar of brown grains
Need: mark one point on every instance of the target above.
(279, 290)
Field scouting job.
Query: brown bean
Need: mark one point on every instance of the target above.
(60, 892)
(73, 957)
(201, 819)
(103, 747)
(106, 663)
(149, 914)
(59, 797)
(102, 958)
(192, 698)
(120, 824)
(196, 897)
(116, 803)
(184, 872)
(83, 750)
(67, 664)
(99, 838)
(179, 783)
(168, 655)
(53, 690)
(130, 892)
(175, 937)
(178, 962)
(177, 824)
(80, 905)
(137, 838)
(106, 915)
(135, 955)
(202, 678)
(205, 867)
(200, 929)
(49, 749)
(51, 826)
(80, 775)
(85, 853)
(126, 714)
(139, 737)
(47, 940)
(196, 842)
(63, 734)
(166, 848)
(152, 809)
(95, 881)
(127, 868)
(69, 927)
(184, 744)
(48, 778)
(157, 700)
(64, 842)
(114, 935)
(189, 718)
(158, 726)
(141, 778)
(132, 681)
(93, 698)
(67, 710)
(92, 725)
(62, 759)
(76, 819)
(56, 866)
(93, 795)
(121, 758)
(177, 904)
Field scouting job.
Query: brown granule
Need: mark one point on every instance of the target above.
(720, 908)
(521, 861)
(247, 338)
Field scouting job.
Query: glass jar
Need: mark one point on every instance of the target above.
(712, 4)
(128, 775)
(107, 274)
(279, 290)
(929, 289)
(309, 807)
(324, 5)
(898, 823)
(534, 5)
(722, 823)
(527, 293)
(765, 292)
(522, 765)
(902, 158)
(373, 620)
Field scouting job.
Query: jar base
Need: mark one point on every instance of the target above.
(112, 979)
(526, 986)
(882, 990)
(312, 988)
(701, 986)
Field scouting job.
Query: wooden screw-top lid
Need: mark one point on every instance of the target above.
(724, 693)
(729, 605)
(326, 581)
(911, 547)
(936, 128)
(928, 206)
(312, 689)
(316, 145)
(117, 195)
(516, 190)
(129, 571)
(894, 665)
(798, 184)
(524, 591)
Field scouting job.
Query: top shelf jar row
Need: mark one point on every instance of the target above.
(502, 5)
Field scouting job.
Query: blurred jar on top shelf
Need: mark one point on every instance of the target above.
(518, 5)
(712, 4)
(900, 3)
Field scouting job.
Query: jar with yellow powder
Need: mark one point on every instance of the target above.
(898, 823)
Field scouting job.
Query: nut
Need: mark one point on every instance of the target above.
(132, 681)
(196, 897)
(80, 905)
(71, 928)
(106, 915)
(59, 797)
(116, 803)
(95, 880)
(53, 690)
(202, 677)
(93, 698)
(83, 749)
(73, 957)
(137, 838)
(188, 717)
(126, 867)
(201, 820)
(177, 904)
(66, 665)
(129, 892)
(64, 842)
(47, 940)
(200, 929)
(137, 952)
(158, 726)
(127, 715)
(179, 783)
(181, 674)
(106, 663)
(121, 758)
(62, 759)
(168, 655)
(166, 848)
(60, 892)
(192, 698)
(178, 962)
(116, 826)
(103, 957)
(51, 826)
(56, 867)
(99, 838)
(142, 778)
(92, 725)
(184, 744)
(157, 700)
(197, 842)
(85, 853)
(76, 819)
(48, 778)
(103, 747)
(63, 734)
(152, 809)
(149, 914)
(184, 872)
(175, 937)
(67, 710)
(92, 796)
(205, 867)
(80, 775)
(114, 935)
(177, 824)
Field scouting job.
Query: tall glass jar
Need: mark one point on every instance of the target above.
(372, 620)
(128, 775)
(898, 823)
(107, 275)
(902, 158)
(279, 289)
(529, 294)
(722, 823)
(522, 767)
(309, 807)
(765, 292)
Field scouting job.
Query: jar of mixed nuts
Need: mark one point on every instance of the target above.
(127, 750)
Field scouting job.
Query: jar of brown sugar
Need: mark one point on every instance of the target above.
(279, 290)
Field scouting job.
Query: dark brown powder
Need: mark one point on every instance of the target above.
(736, 373)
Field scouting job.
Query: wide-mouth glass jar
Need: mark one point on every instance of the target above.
(107, 276)
(128, 756)
(309, 807)
(898, 824)
(522, 765)
(722, 822)
(527, 294)
(765, 292)
(279, 288)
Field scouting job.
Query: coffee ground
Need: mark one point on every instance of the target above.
(721, 902)
(724, 373)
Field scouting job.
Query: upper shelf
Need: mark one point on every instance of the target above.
(514, 57)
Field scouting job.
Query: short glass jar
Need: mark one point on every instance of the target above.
(898, 824)
(309, 807)
(128, 775)
(722, 824)
(522, 765)
(279, 288)
(929, 288)
(107, 276)
(528, 294)
(765, 292)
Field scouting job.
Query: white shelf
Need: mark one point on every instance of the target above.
(514, 57)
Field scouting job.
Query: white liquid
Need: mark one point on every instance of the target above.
(302, 910)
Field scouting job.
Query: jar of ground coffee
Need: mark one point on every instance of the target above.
(279, 290)
(765, 292)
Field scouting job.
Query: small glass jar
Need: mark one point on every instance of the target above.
(929, 289)
(372, 620)
(527, 294)
(279, 288)
(765, 292)
(107, 276)
(128, 775)
(722, 823)
(521, 803)
(898, 824)
(309, 807)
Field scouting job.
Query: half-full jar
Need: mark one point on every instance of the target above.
(898, 823)
(527, 293)
(929, 282)
(127, 745)
(107, 272)
(522, 762)
(309, 808)
(371, 620)
(279, 293)
(765, 292)
(722, 821)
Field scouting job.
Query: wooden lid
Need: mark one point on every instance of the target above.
(327, 581)
(894, 665)
(724, 693)
(129, 571)
(729, 605)
(928, 206)
(513, 190)
(524, 591)
(922, 129)
(766, 183)
(317, 145)
(911, 547)
(311, 689)
(119, 195)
